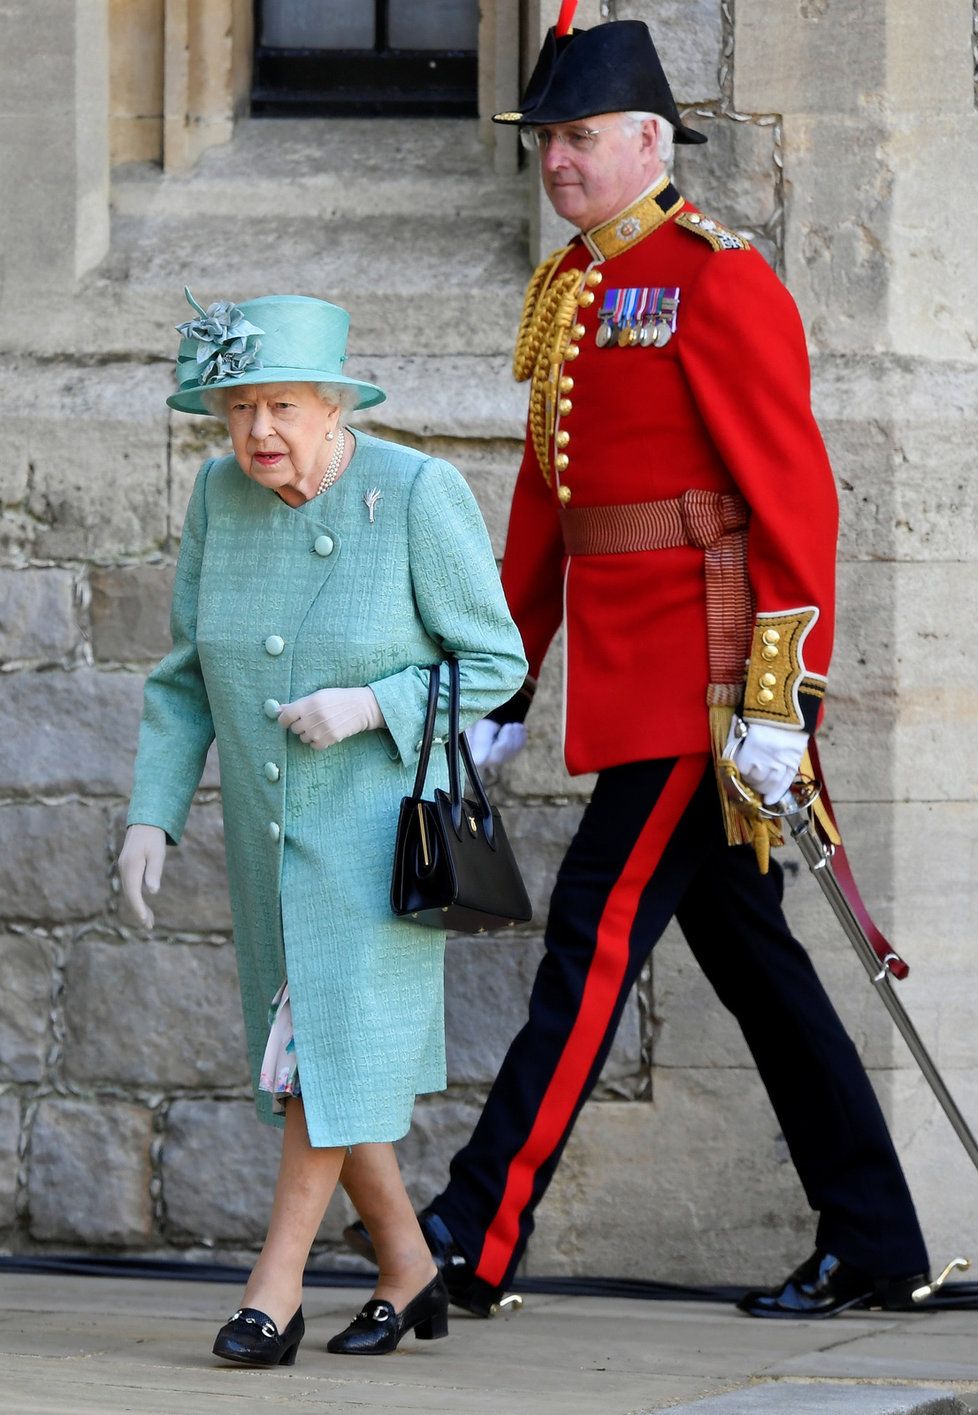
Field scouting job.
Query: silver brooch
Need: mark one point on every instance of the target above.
(370, 501)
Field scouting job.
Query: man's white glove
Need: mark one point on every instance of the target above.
(492, 744)
(767, 758)
(322, 719)
(141, 861)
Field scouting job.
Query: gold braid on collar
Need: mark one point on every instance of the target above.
(548, 313)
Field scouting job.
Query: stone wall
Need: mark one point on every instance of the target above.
(124, 1118)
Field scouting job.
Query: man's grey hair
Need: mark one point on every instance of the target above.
(342, 395)
(666, 132)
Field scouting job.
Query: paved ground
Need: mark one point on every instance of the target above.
(101, 1346)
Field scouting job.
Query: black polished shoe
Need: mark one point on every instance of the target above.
(825, 1285)
(377, 1328)
(252, 1339)
(465, 1290)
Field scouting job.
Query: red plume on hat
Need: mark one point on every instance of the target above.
(566, 18)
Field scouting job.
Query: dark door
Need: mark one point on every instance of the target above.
(365, 56)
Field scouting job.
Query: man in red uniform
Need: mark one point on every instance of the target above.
(675, 509)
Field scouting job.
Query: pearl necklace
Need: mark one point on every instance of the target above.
(330, 474)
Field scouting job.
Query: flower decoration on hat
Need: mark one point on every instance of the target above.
(227, 343)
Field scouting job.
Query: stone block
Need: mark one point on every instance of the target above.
(439, 1127)
(903, 703)
(838, 264)
(193, 897)
(932, 274)
(26, 965)
(540, 836)
(813, 57)
(688, 35)
(180, 1025)
(487, 990)
(941, 1177)
(52, 862)
(131, 612)
(9, 1137)
(696, 1186)
(90, 1172)
(77, 732)
(55, 152)
(136, 80)
(734, 176)
(220, 1164)
(900, 434)
(98, 482)
(466, 396)
(37, 619)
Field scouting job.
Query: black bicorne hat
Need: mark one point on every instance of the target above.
(613, 68)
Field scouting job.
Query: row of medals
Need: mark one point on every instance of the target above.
(651, 334)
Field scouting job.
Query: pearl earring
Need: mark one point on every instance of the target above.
(330, 435)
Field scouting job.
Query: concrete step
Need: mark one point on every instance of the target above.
(330, 169)
(404, 224)
(819, 1398)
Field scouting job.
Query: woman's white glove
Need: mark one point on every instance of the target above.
(492, 744)
(322, 719)
(767, 758)
(141, 861)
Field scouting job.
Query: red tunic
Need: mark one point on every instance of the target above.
(724, 406)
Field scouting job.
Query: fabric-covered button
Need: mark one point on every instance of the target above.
(272, 772)
(323, 545)
(271, 707)
(274, 645)
(274, 830)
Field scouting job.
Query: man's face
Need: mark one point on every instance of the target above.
(590, 178)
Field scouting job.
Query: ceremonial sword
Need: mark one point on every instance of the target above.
(796, 811)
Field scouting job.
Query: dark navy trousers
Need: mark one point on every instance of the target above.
(650, 846)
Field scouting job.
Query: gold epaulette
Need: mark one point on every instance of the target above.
(548, 313)
(720, 237)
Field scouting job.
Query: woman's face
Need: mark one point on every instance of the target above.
(279, 432)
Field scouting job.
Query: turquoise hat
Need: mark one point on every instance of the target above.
(275, 339)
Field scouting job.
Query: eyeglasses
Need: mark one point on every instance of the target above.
(573, 139)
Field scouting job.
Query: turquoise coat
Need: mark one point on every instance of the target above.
(271, 603)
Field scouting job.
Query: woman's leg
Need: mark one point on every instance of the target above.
(372, 1179)
(305, 1184)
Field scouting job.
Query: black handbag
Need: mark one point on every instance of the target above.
(453, 866)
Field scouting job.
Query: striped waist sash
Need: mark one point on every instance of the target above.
(715, 522)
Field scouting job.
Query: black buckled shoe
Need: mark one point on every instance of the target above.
(377, 1328)
(252, 1339)
(825, 1285)
(465, 1290)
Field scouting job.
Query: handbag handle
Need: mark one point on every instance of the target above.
(427, 735)
(458, 744)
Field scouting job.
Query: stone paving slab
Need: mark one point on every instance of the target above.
(99, 1346)
(826, 1400)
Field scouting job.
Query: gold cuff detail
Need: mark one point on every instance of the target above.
(776, 667)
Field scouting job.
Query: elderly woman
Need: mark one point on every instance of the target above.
(320, 573)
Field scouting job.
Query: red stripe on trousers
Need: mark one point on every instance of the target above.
(602, 987)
